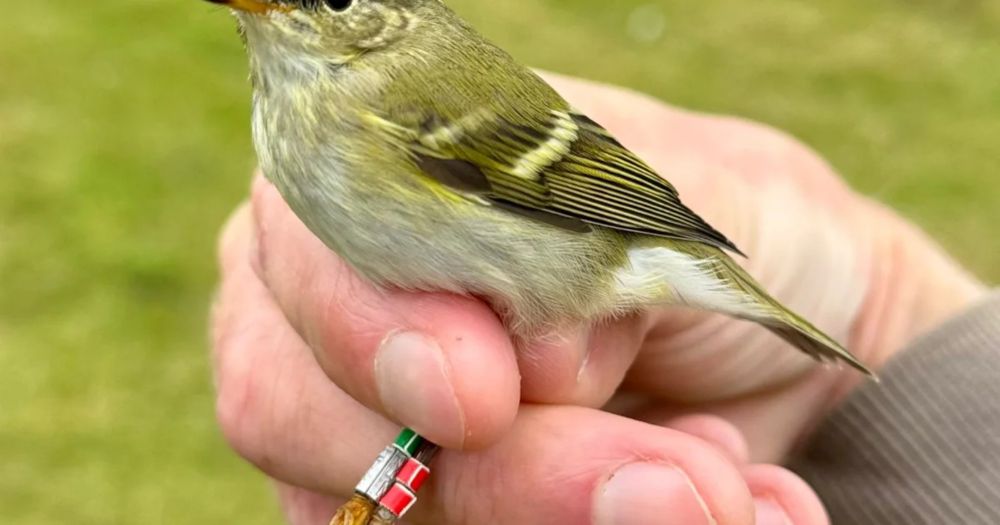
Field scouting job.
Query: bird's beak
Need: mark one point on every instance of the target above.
(250, 6)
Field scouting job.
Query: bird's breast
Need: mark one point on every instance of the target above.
(367, 201)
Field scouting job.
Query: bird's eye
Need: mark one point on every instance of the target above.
(338, 5)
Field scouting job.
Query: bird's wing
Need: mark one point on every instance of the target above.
(560, 167)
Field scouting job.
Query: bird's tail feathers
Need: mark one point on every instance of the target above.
(811, 340)
(767, 311)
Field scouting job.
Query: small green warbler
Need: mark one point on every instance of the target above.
(429, 159)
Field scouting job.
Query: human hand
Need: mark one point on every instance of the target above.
(769, 194)
(554, 464)
(848, 264)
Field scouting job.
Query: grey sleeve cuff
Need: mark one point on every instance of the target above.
(922, 447)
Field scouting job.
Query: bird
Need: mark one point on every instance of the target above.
(429, 159)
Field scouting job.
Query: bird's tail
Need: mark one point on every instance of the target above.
(811, 340)
(761, 308)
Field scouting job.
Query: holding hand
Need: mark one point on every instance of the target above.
(443, 364)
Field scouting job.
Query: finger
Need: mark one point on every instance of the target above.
(782, 498)
(772, 196)
(578, 366)
(234, 237)
(583, 366)
(585, 466)
(439, 363)
(717, 431)
(267, 378)
(305, 507)
(556, 465)
(770, 422)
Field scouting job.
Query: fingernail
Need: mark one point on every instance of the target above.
(641, 493)
(414, 384)
(768, 512)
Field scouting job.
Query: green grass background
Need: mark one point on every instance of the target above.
(124, 144)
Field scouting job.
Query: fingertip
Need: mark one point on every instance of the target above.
(646, 492)
(717, 483)
(716, 479)
(563, 464)
(552, 364)
(610, 353)
(414, 382)
(716, 431)
(581, 365)
(440, 363)
(482, 366)
(780, 494)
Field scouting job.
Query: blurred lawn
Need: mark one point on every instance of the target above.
(124, 143)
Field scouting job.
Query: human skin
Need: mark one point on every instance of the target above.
(666, 415)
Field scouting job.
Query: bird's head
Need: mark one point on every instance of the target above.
(333, 31)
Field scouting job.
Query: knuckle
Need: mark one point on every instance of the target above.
(237, 403)
(348, 314)
(261, 240)
(274, 228)
(252, 408)
(772, 148)
(235, 414)
(233, 238)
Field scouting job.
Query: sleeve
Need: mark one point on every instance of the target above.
(922, 447)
